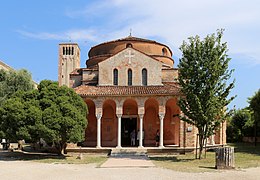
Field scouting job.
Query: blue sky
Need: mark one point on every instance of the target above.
(30, 31)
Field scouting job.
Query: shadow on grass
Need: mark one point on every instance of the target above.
(207, 167)
(170, 159)
(248, 148)
(184, 164)
(27, 156)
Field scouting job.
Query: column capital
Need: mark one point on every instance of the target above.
(161, 116)
(119, 115)
(98, 116)
(141, 115)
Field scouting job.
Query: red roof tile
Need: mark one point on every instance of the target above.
(169, 88)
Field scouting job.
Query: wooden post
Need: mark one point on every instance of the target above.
(225, 158)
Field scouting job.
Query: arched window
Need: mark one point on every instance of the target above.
(129, 45)
(115, 77)
(144, 77)
(63, 50)
(130, 76)
(164, 52)
(67, 51)
(72, 51)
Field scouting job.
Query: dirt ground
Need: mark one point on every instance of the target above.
(19, 166)
(33, 170)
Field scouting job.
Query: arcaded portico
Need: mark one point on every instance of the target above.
(129, 85)
(111, 120)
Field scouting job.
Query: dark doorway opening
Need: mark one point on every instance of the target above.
(127, 126)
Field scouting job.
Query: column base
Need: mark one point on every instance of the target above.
(98, 147)
(140, 146)
(161, 147)
(118, 147)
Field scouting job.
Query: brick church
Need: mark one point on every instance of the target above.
(129, 85)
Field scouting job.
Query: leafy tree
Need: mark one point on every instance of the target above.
(255, 106)
(63, 112)
(203, 77)
(240, 125)
(12, 81)
(54, 113)
(19, 116)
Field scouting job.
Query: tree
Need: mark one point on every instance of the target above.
(254, 104)
(63, 114)
(203, 77)
(19, 117)
(54, 113)
(240, 125)
(13, 81)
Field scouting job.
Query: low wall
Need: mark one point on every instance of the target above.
(251, 139)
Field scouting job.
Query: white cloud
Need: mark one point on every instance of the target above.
(42, 35)
(172, 21)
(73, 35)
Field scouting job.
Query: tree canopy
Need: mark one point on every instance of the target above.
(240, 125)
(13, 81)
(254, 102)
(254, 105)
(54, 113)
(203, 77)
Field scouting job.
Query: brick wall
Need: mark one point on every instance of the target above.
(136, 64)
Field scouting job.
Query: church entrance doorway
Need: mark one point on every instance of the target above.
(128, 125)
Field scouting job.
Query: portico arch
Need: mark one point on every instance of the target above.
(171, 123)
(151, 121)
(91, 130)
(109, 124)
(130, 107)
(129, 122)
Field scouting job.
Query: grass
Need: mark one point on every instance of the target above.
(73, 159)
(185, 163)
(246, 156)
(53, 158)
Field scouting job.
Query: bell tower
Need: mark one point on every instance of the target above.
(69, 60)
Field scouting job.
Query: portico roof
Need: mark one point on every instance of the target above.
(168, 88)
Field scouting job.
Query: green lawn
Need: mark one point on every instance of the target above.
(97, 159)
(73, 159)
(246, 155)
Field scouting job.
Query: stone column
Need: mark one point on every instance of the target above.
(141, 116)
(99, 130)
(181, 136)
(161, 116)
(119, 116)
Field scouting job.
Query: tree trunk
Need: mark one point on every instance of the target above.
(225, 158)
(196, 155)
(64, 146)
(61, 147)
(58, 146)
(201, 144)
(206, 148)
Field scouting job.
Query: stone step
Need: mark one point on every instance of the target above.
(128, 152)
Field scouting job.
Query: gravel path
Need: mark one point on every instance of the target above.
(32, 170)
